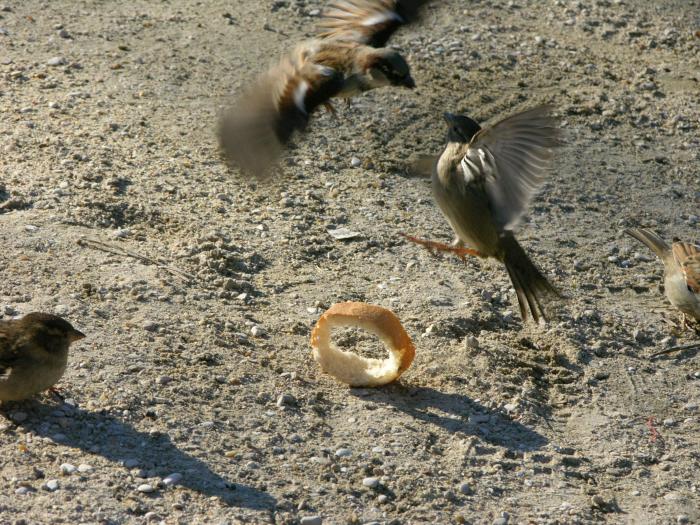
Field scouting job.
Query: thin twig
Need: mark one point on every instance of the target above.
(691, 346)
(118, 250)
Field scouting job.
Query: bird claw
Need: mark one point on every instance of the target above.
(688, 324)
(56, 392)
(434, 246)
(330, 109)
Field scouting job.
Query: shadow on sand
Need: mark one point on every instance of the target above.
(106, 436)
(457, 413)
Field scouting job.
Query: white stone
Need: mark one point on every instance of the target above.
(371, 482)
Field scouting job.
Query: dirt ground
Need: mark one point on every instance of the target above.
(195, 399)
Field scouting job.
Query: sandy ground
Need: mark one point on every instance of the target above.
(194, 398)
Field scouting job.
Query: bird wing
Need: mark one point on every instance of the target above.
(8, 350)
(514, 157)
(368, 22)
(254, 132)
(688, 258)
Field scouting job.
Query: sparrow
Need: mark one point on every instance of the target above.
(33, 354)
(346, 58)
(682, 271)
(483, 182)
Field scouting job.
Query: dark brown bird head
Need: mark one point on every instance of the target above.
(50, 331)
(387, 66)
(461, 129)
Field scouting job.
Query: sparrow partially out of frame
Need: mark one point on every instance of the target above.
(483, 183)
(33, 354)
(347, 58)
(682, 271)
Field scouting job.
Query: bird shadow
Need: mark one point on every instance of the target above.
(457, 413)
(104, 435)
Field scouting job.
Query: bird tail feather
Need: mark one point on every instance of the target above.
(651, 239)
(531, 286)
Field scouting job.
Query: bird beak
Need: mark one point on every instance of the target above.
(76, 335)
(409, 82)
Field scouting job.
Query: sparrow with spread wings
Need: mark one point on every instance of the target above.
(682, 271)
(347, 58)
(483, 183)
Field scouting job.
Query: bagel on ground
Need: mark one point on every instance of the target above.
(350, 368)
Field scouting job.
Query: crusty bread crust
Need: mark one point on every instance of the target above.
(351, 368)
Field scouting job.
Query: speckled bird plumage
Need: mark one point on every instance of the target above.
(682, 270)
(33, 354)
(484, 181)
(346, 58)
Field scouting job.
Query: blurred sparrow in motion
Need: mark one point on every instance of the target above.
(682, 271)
(347, 58)
(33, 354)
(483, 183)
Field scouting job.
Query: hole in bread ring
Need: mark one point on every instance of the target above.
(353, 369)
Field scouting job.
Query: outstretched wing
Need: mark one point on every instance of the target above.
(369, 22)
(514, 156)
(688, 258)
(254, 132)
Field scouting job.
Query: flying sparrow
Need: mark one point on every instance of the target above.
(346, 58)
(483, 183)
(33, 354)
(682, 271)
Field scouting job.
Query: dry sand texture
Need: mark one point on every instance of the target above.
(197, 360)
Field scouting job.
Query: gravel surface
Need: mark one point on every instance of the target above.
(194, 398)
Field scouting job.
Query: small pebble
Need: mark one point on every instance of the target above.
(84, 468)
(371, 483)
(343, 453)
(56, 61)
(465, 489)
(257, 331)
(18, 417)
(355, 162)
(173, 479)
(150, 326)
(471, 342)
(311, 520)
(146, 488)
(286, 400)
(51, 485)
(67, 469)
(598, 502)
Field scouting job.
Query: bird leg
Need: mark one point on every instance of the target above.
(330, 109)
(56, 392)
(454, 249)
(688, 324)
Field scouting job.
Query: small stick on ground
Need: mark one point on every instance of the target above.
(442, 247)
(691, 346)
(118, 250)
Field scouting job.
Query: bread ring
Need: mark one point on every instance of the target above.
(351, 368)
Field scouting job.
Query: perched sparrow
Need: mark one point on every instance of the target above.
(483, 183)
(682, 271)
(33, 354)
(346, 59)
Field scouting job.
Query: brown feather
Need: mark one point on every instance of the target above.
(688, 258)
(369, 22)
